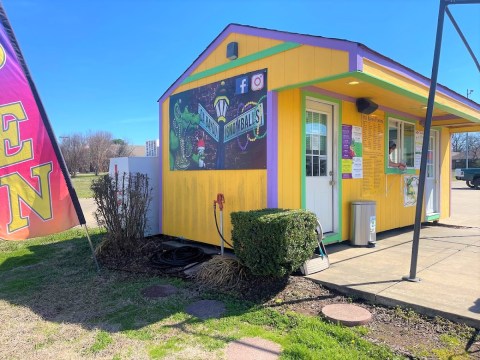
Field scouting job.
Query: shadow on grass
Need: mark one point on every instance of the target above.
(55, 277)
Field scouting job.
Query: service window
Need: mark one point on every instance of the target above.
(402, 135)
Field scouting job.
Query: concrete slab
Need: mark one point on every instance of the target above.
(448, 265)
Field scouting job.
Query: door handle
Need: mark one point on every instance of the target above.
(331, 182)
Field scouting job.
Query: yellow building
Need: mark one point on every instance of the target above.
(275, 119)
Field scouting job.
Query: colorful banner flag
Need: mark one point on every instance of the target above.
(36, 195)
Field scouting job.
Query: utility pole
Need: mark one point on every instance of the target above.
(469, 91)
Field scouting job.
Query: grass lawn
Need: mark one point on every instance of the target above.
(82, 182)
(53, 304)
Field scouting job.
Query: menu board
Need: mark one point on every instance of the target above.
(418, 148)
(373, 153)
(352, 150)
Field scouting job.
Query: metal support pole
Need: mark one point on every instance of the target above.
(221, 232)
(426, 139)
(466, 150)
(91, 248)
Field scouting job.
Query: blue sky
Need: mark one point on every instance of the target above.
(103, 64)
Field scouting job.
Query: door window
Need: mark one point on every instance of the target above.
(316, 144)
(431, 158)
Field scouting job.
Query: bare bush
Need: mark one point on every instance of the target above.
(222, 273)
(122, 205)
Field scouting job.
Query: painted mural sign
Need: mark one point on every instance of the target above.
(410, 190)
(352, 164)
(220, 126)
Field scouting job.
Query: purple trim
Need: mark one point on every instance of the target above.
(400, 113)
(357, 52)
(160, 172)
(336, 44)
(445, 117)
(412, 75)
(272, 149)
(312, 40)
(359, 62)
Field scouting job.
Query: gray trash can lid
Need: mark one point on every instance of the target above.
(363, 202)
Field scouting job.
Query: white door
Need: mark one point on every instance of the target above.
(319, 162)
(431, 181)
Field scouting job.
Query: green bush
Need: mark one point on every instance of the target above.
(274, 242)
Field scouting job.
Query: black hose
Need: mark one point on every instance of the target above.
(218, 230)
(178, 257)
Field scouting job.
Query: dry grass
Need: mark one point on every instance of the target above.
(222, 273)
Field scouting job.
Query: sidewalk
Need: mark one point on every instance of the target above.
(448, 266)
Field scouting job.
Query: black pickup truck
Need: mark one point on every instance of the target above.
(470, 175)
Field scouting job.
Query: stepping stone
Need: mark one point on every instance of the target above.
(206, 309)
(253, 349)
(347, 314)
(159, 291)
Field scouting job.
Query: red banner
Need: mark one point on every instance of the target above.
(36, 196)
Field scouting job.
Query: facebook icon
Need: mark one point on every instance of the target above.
(241, 85)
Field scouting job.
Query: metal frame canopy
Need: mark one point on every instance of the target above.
(443, 8)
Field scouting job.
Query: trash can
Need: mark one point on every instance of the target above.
(363, 223)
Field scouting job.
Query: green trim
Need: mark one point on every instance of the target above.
(433, 217)
(389, 170)
(242, 61)
(316, 81)
(333, 237)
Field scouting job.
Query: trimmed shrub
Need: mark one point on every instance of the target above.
(274, 242)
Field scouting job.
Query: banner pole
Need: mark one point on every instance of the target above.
(91, 248)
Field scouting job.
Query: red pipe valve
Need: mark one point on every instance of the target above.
(220, 200)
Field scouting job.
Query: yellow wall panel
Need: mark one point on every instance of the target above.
(445, 173)
(188, 196)
(289, 149)
(390, 210)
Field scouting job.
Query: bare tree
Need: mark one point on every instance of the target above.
(121, 148)
(458, 142)
(99, 144)
(474, 146)
(73, 147)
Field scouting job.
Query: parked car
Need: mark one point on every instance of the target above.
(470, 175)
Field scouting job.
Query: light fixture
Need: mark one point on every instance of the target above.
(366, 106)
(354, 82)
(232, 51)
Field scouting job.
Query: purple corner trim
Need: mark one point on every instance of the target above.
(272, 149)
(160, 172)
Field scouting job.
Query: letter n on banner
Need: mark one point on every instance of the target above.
(36, 195)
